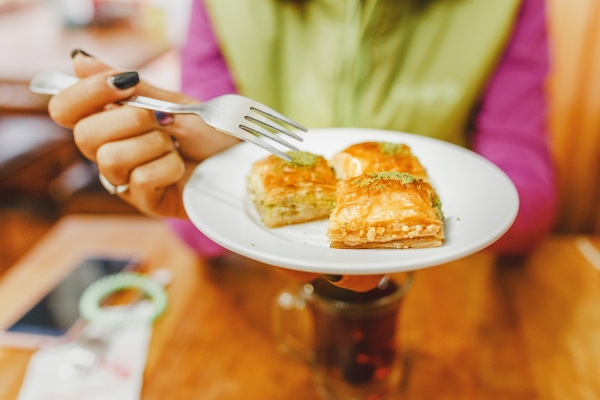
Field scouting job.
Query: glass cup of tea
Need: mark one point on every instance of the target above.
(350, 339)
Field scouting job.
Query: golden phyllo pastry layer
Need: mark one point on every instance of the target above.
(286, 193)
(361, 158)
(386, 210)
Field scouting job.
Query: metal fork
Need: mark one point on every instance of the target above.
(235, 115)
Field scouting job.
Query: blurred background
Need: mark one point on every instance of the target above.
(43, 176)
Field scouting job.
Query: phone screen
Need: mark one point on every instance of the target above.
(58, 310)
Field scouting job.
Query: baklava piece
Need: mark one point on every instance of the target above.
(361, 158)
(287, 193)
(386, 210)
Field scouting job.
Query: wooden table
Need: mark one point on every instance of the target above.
(470, 329)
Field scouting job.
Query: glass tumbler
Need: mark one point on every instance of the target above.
(350, 339)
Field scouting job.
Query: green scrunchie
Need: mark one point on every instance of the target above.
(90, 301)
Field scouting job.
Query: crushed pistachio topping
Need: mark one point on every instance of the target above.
(437, 206)
(302, 159)
(391, 148)
(374, 178)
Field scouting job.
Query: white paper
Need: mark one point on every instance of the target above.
(116, 373)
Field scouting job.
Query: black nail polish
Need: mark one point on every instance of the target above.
(125, 80)
(332, 278)
(79, 51)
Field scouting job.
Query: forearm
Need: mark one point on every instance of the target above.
(532, 173)
(510, 129)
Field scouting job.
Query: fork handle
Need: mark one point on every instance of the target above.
(158, 105)
(53, 82)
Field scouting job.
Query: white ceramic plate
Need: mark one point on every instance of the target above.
(478, 200)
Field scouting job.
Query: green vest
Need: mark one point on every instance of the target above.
(416, 66)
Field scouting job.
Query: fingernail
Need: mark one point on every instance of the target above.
(384, 282)
(332, 278)
(79, 51)
(124, 80)
(163, 118)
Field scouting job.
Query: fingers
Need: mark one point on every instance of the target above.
(154, 170)
(91, 95)
(111, 125)
(155, 187)
(358, 283)
(298, 275)
(117, 159)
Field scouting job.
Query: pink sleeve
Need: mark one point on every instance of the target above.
(204, 75)
(510, 129)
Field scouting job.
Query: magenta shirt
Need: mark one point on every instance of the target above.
(510, 125)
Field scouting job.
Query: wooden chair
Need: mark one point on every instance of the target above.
(574, 118)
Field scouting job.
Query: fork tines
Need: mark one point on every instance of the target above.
(258, 122)
(269, 112)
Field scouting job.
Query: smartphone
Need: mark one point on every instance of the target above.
(55, 318)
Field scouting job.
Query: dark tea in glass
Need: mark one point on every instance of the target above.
(354, 346)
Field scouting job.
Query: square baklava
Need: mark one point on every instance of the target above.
(386, 210)
(361, 158)
(286, 193)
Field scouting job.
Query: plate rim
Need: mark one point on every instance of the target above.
(332, 266)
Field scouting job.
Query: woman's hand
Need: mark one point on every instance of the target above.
(129, 144)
